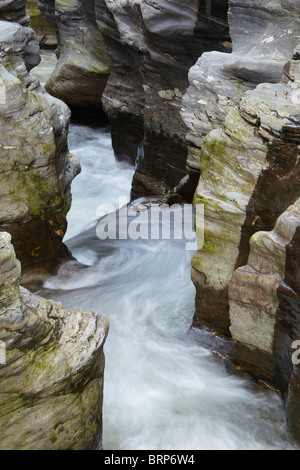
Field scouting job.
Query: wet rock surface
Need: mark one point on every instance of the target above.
(250, 176)
(264, 311)
(52, 376)
(152, 46)
(14, 10)
(36, 167)
(264, 35)
(45, 33)
(83, 66)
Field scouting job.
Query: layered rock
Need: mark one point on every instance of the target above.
(83, 66)
(14, 10)
(265, 311)
(250, 176)
(51, 370)
(264, 35)
(45, 33)
(36, 167)
(152, 46)
(26, 42)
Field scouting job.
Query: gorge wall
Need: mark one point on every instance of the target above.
(45, 33)
(210, 87)
(152, 47)
(51, 359)
(244, 137)
(238, 124)
(83, 66)
(150, 76)
(52, 376)
(36, 167)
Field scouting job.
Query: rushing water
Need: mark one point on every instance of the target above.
(162, 390)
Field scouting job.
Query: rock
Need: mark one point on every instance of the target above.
(36, 167)
(52, 378)
(14, 10)
(29, 48)
(152, 46)
(45, 33)
(250, 176)
(83, 66)
(265, 311)
(264, 35)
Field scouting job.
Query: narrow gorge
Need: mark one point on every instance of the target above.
(118, 335)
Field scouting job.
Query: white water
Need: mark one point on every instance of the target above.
(162, 391)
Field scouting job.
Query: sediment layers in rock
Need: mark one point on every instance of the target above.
(14, 10)
(51, 371)
(250, 176)
(264, 35)
(45, 33)
(36, 168)
(152, 46)
(83, 66)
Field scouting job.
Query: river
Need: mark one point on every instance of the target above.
(163, 390)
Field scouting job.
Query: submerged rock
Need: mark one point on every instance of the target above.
(83, 66)
(51, 368)
(36, 168)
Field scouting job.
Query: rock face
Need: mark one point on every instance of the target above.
(51, 370)
(250, 175)
(14, 10)
(152, 46)
(265, 311)
(83, 66)
(36, 167)
(246, 275)
(264, 35)
(27, 45)
(45, 33)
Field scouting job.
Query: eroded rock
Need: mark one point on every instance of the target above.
(45, 33)
(264, 35)
(250, 176)
(264, 311)
(52, 376)
(14, 10)
(153, 45)
(83, 66)
(36, 168)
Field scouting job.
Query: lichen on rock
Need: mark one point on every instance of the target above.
(264, 35)
(264, 311)
(83, 65)
(250, 176)
(52, 380)
(36, 168)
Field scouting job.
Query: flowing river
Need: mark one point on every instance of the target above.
(163, 390)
